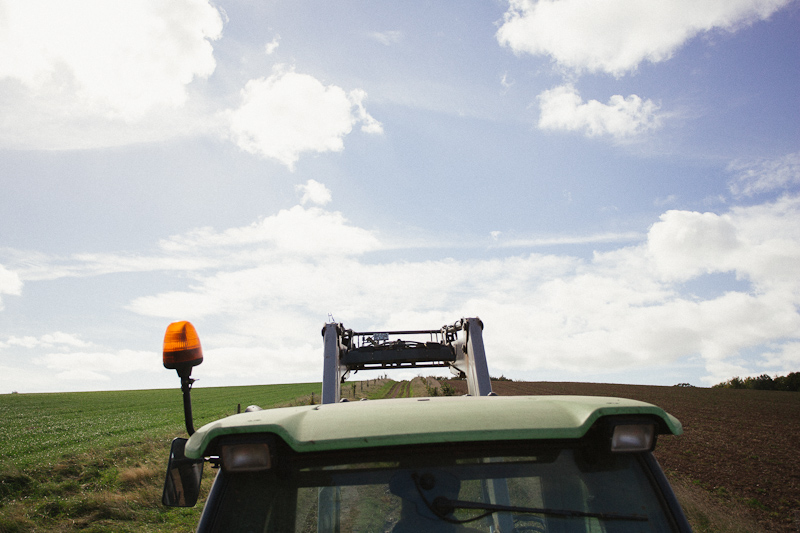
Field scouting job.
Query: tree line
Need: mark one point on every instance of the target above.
(789, 382)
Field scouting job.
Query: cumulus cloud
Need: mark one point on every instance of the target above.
(625, 309)
(88, 74)
(685, 244)
(758, 243)
(621, 310)
(288, 114)
(764, 175)
(314, 192)
(297, 231)
(112, 60)
(562, 108)
(615, 36)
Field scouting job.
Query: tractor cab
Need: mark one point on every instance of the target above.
(479, 462)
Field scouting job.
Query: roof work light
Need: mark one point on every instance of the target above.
(182, 351)
(247, 457)
(633, 438)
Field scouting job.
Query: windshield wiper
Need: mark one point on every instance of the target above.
(443, 507)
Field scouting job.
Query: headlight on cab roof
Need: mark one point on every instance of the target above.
(246, 457)
(633, 438)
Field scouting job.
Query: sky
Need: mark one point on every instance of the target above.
(612, 187)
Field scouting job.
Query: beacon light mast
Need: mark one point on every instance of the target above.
(182, 351)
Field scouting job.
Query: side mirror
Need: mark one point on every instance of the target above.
(182, 486)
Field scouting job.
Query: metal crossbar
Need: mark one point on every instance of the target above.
(347, 350)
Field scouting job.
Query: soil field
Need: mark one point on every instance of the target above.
(741, 446)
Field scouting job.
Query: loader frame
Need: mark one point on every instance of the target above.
(458, 346)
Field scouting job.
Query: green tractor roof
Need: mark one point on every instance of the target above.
(408, 421)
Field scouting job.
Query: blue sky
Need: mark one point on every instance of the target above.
(614, 188)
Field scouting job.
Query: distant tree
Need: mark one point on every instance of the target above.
(790, 382)
(762, 382)
(447, 390)
(733, 383)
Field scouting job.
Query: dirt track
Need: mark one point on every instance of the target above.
(399, 390)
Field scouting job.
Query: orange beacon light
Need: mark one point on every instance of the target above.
(182, 348)
(182, 351)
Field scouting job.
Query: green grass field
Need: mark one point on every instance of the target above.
(38, 428)
(96, 461)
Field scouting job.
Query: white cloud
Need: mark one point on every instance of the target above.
(562, 108)
(288, 114)
(765, 175)
(785, 356)
(64, 362)
(296, 231)
(615, 36)
(34, 266)
(387, 37)
(48, 340)
(315, 192)
(598, 238)
(759, 243)
(686, 244)
(10, 283)
(267, 287)
(622, 310)
(271, 46)
(661, 202)
(100, 363)
(82, 375)
(117, 61)
(368, 123)
(80, 74)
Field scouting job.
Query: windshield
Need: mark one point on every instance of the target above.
(427, 490)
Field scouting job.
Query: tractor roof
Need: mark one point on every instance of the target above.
(408, 421)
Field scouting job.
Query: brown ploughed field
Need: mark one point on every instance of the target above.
(740, 449)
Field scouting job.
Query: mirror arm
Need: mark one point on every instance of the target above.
(186, 388)
(182, 351)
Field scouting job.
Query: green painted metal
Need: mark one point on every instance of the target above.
(427, 420)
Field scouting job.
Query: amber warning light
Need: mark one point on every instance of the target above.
(182, 352)
(182, 348)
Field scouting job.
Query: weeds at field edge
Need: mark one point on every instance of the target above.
(96, 491)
